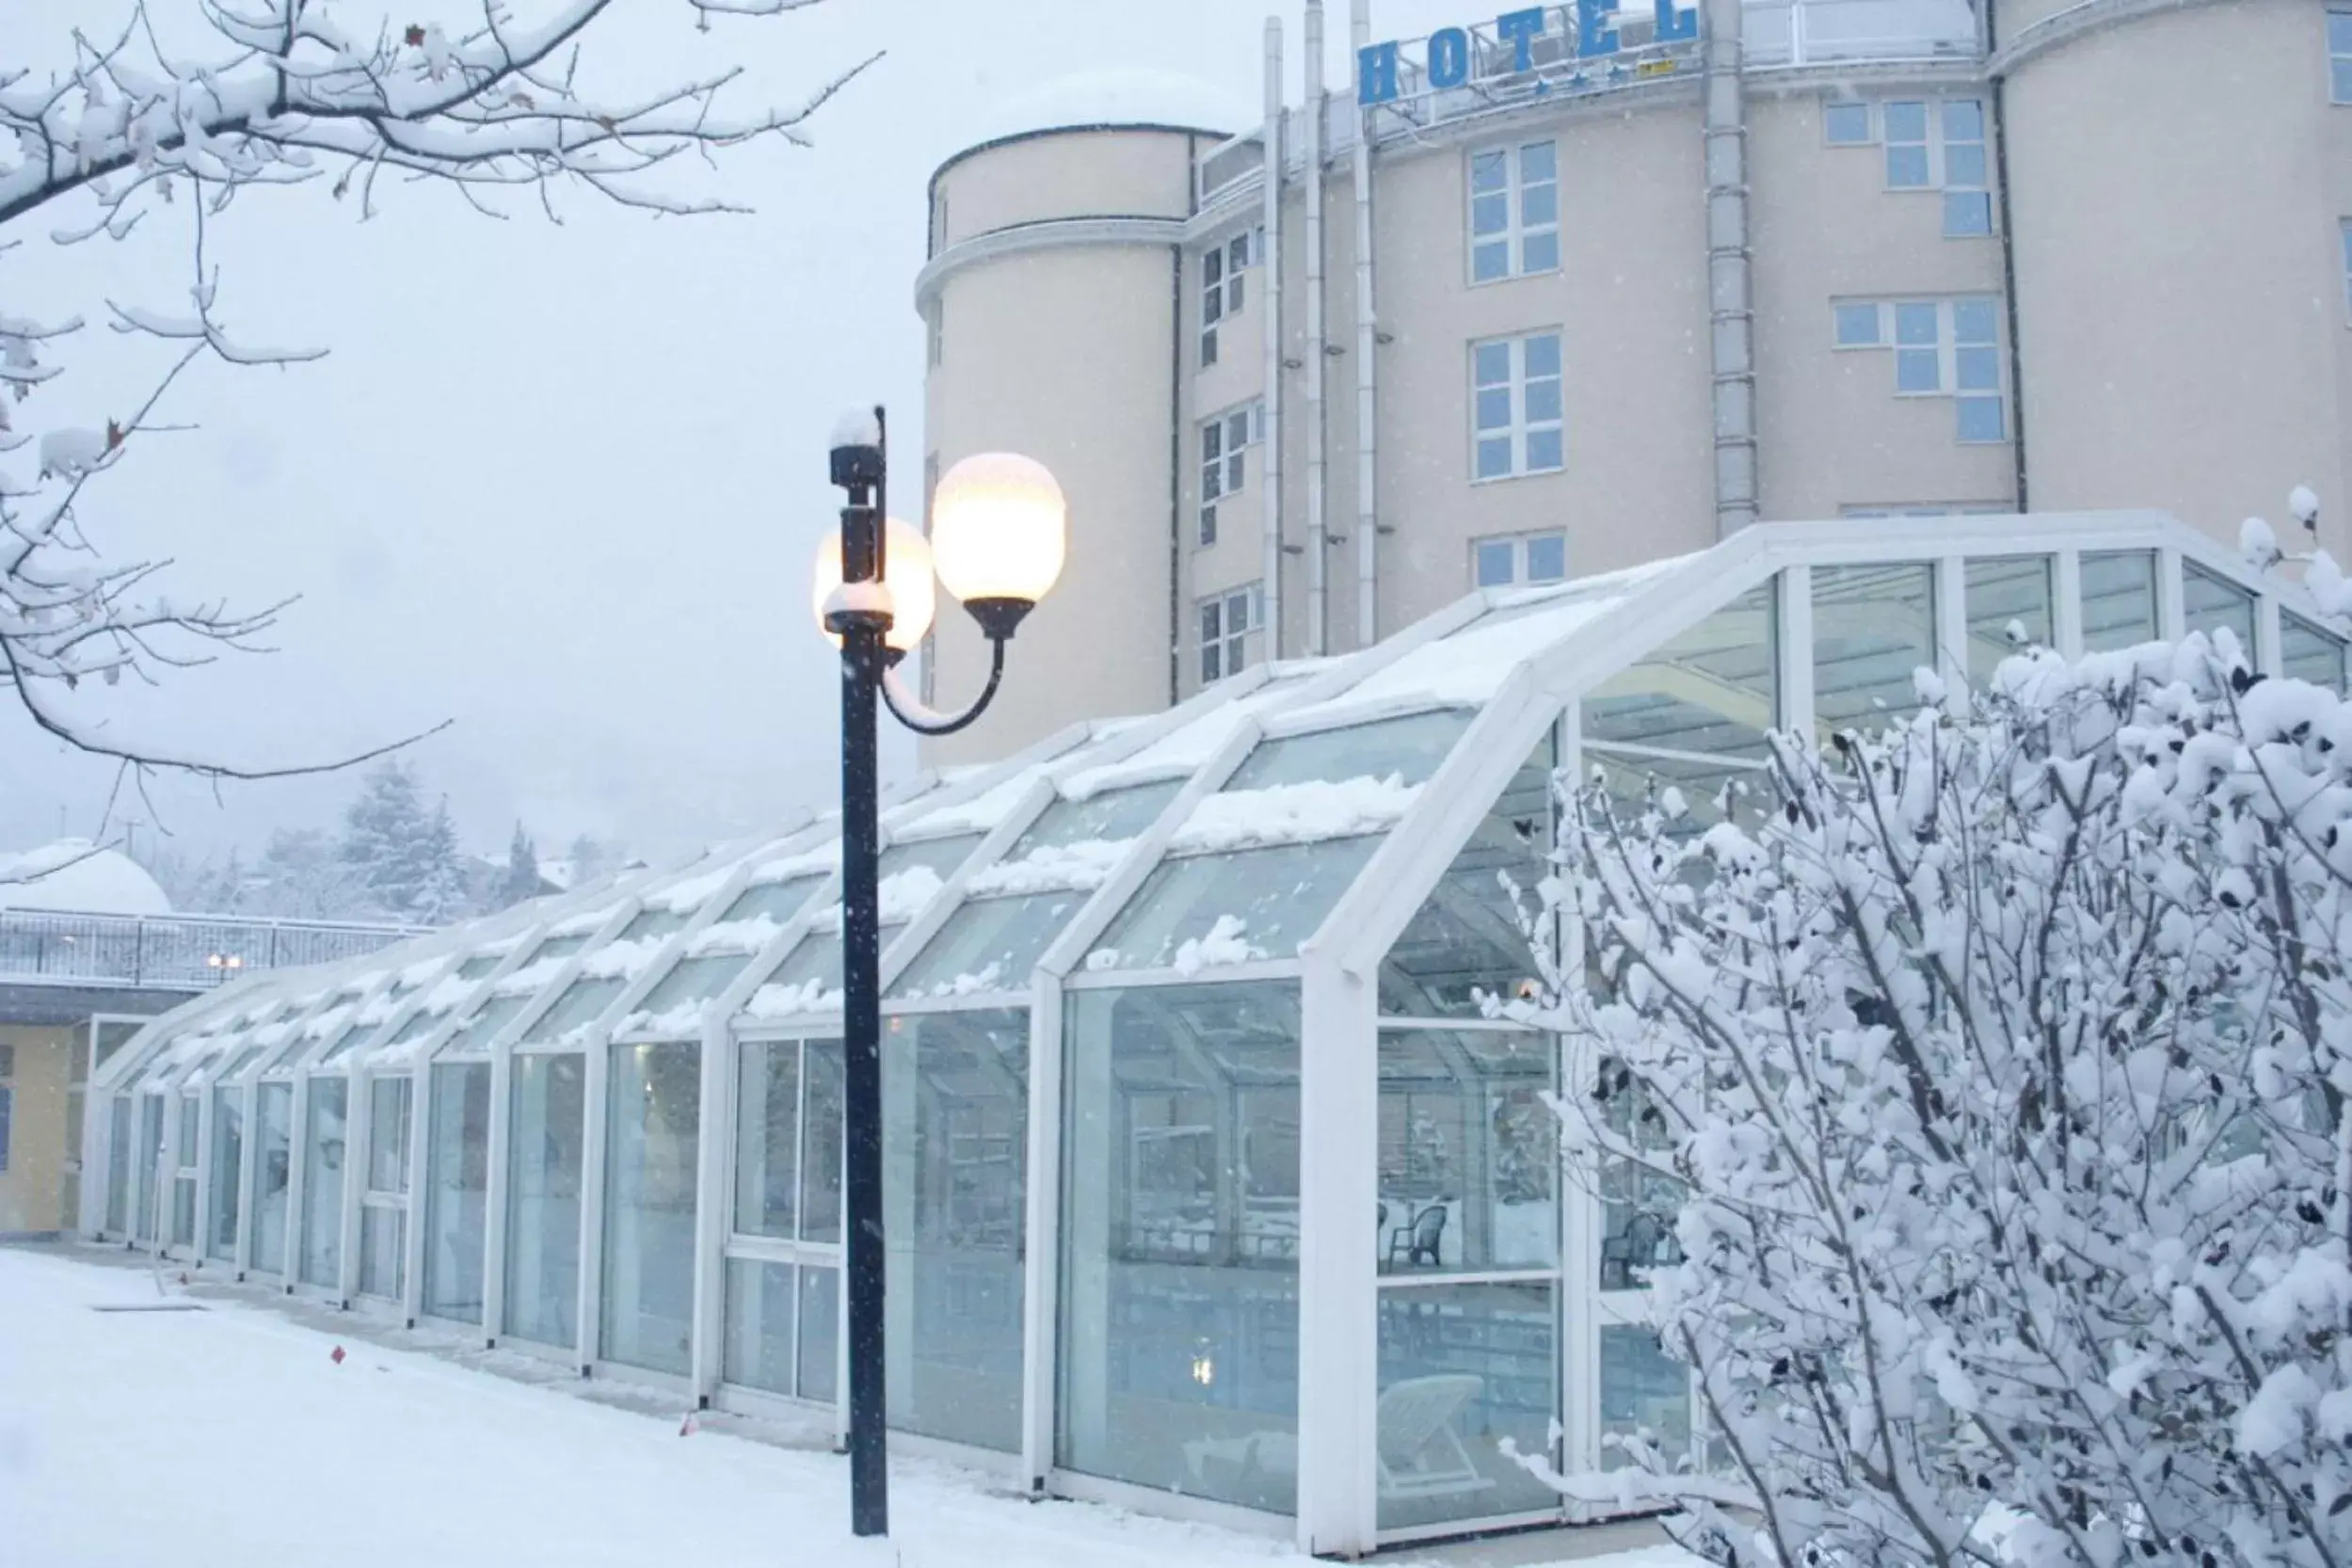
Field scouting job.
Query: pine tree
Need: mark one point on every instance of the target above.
(441, 892)
(522, 881)
(302, 874)
(388, 843)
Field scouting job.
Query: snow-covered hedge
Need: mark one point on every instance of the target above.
(2002, 1062)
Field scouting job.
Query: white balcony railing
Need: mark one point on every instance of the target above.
(171, 952)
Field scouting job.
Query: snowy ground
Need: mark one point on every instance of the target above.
(228, 1434)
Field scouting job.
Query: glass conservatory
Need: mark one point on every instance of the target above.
(1170, 1005)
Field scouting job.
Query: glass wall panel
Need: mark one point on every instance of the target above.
(767, 1139)
(821, 1123)
(383, 1239)
(990, 944)
(1463, 1369)
(390, 1104)
(148, 1154)
(1873, 627)
(227, 1164)
(766, 1303)
(1644, 1391)
(187, 1150)
(2308, 653)
(2119, 598)
(1466, 939)
(272, 1174)
(549, 1121)
(1187, 908)
(654, 1136)
(581, 1003)
(2010, 605)
(1179, 1312)
(1467, 1152)
(774, 900)
(820, 1332)
(1712, 690)
(956, 1159)
(1639, 1204)
(457, 1190)
(2211, 602)
(324, 1145)
(118, 1164)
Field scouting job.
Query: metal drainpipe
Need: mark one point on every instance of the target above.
(1998, 108)
(1317, 540)
(1366, 340)
(1269, 304)
(1730, 299)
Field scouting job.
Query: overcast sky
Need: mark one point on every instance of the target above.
(560, 485)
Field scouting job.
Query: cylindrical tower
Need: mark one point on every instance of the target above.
(2176, 182)
(1051, 302)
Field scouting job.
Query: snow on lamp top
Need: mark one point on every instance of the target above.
(906, 572)
(998, 526)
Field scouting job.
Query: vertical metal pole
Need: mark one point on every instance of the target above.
(861, 962)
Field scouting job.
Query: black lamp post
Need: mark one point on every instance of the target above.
(997, 543)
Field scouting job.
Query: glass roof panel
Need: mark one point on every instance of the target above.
(582, 1002)
(695, 980)
(1408, 749)
(2308, 653)
(1711, 690)
(912, 874)
(808, 980)
(1466, 938)
(480, 965)
(476, 1035)
(989, 945)
(651, 923)
(1211, 909)
(1115, 814)
(774, 900)
(1873, 629)
(2210, 602)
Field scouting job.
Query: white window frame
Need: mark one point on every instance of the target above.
(1521, 427)
(1518, 543)
(1223, 267)
(1936, 153)
(2339, 60)
(1227, 644)
(1517, 230)
(1946, 349)
(1225, 469)
(1869, 121)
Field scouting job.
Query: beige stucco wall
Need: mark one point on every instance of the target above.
(32, 1188)
(2176, 182)
(1123, 173)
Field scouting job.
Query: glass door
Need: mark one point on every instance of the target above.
(783, 1249)
(119, 1164)
(549, 1123)
(384, 1203)
(457, 1190)
(227, 1164)
(654, 1137)
(187, 1151)
(324, 1145)
(273, 1174)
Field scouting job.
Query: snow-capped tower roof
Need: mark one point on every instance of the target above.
(1114, 99)
(75, 874)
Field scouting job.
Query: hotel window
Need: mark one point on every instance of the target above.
(1225, 440)
(1516, 397)
(935, 324)
(2344, 232)
(1227, 621)
(2340, 56)
(1518, 559)
(1942, 348)
(1931, 145)
(1221, 269)
(1514, 211)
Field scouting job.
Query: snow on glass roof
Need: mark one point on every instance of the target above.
(1235, 827)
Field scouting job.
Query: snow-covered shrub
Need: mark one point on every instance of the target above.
(2001, 1062)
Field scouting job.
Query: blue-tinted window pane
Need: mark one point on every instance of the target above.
(1857, 325)
(1494, 564)
(1544, 453)
(2340, 80)
(1915, 370)
(1490, 261)
(1906, 166)
(1536, 163)
(1488, 171)
(1547, 559)
(1906, 122)
(1979, 370)
(1490, 214)
(1964, 165)
(1973, 321)
(1494, 457)
(1543, 401)
(1966, 214)
(1980, 419)
(1848, 124)
(1914, 324)
(1964, 120)
(2340, 32)
(1493, 363)
(1495, 409)
(1542, 356)
(1540, 253)
(1539, 205)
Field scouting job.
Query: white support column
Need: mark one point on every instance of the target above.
(412, 1236)
(2169, 616)
(1951, 629)
(357, 1126)
(2269, 656)
(1041, 1276)
(200, 1233)
(1795, 651)
(248, 1158)
(1579, 1393)
(596, 1093)
(712, 1189)
(2066, 609)
(1338, 1274)
(494, 1196)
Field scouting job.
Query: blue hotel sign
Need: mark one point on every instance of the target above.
(1448, 62)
